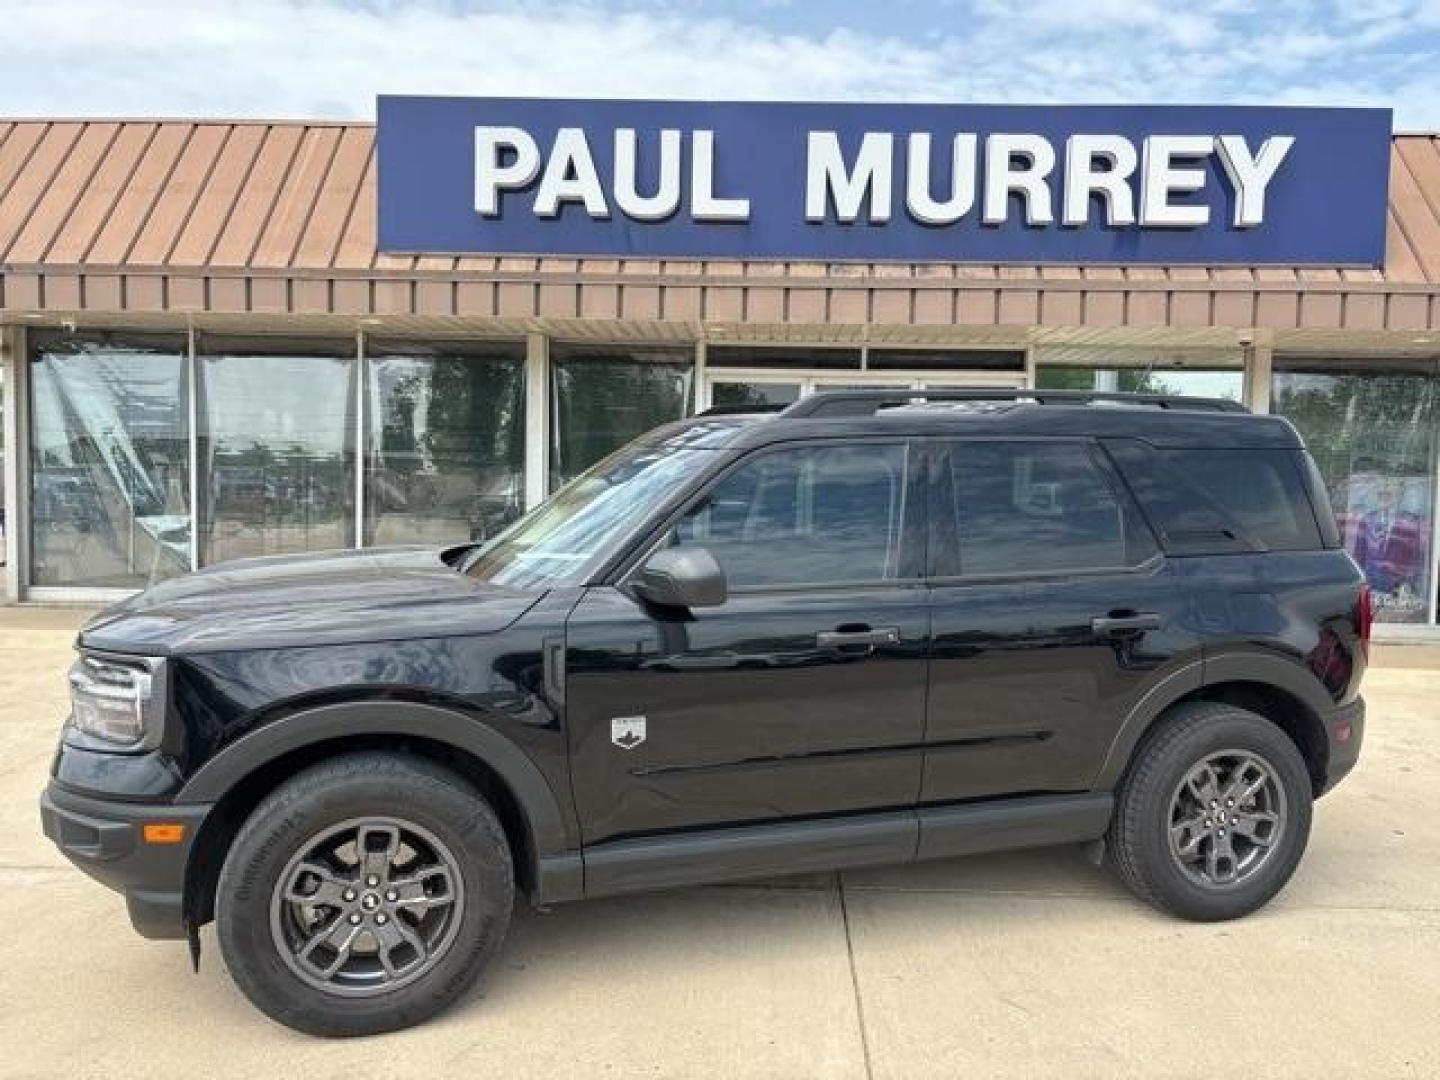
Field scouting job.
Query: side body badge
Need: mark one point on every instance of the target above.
(627, 732)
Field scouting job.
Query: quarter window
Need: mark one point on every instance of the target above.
(1037, 507)
(806, 516)
(1211, 502)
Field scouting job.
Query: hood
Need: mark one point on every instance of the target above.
(325, 598)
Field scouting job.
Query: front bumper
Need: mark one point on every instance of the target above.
(104, 838)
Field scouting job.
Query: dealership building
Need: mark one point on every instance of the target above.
(222, 339)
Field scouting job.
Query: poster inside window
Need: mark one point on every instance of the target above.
(1371, 428)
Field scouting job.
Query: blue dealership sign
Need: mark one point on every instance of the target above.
(916, 183)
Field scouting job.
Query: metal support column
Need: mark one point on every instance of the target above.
(702, 384)
(17, 502)
(1257, 377)
(192, 372)
(537, 419)
(360, 404)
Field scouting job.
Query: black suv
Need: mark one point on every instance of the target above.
(872, 628)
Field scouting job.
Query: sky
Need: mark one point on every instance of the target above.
(329, 58)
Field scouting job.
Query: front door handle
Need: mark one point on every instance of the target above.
(867, 638)
(1125, 622)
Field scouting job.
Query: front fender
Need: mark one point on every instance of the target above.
(553, 836)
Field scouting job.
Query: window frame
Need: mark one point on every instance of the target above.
(915, 505)
(944, 526)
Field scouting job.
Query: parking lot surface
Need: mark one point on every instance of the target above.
(1024, 965)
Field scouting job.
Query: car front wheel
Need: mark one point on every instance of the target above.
(1213, 813)
(365, 894)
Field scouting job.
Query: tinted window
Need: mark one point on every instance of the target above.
(1035, 507)
(811, 515)
(1216, 501)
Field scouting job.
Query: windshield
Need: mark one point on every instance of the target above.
(559, 541)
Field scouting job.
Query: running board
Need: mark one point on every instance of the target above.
(758, 851)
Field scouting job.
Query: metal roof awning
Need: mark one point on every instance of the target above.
(167, 220)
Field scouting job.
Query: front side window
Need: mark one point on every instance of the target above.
(809, 515)
(1037, 507)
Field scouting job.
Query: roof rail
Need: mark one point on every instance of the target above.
(831, 403)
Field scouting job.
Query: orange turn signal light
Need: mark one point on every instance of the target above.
(163, 832)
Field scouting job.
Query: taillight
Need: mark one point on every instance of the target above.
(1364, 617)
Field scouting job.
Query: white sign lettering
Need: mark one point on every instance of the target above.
(919, 201)
(1157, 185)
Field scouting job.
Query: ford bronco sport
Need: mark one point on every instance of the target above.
(875, 627)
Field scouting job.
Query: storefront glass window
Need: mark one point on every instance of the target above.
(601, 398)
(1371, 428)
(110, 475)
(1191, 382)
(753, 396)
(782, 357)
(276, 448)
(445, 443)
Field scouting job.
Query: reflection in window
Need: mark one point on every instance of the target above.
(604, 397)
(753, 397)
(1031, 507)
(1205, 501)
(816, 515)
(109, 462)
(781, 356)
(903, 359)
(557, 542)
(445, 447)
(277, 450)
(1372, 431)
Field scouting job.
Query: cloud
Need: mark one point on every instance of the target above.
(328, 58)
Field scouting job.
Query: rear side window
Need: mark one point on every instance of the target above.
(1206, 502)
(1035, 507)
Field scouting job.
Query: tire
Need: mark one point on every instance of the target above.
(444, 875)
(1161, 846)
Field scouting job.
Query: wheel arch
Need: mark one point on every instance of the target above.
(1279, 689)
(236, 780)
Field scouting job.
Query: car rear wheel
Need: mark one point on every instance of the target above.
(363, 895)
(1213, 813)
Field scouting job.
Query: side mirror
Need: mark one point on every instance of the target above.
(681, 577)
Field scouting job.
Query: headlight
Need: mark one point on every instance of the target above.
(119, 703)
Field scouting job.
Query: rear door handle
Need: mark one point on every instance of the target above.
(1119, 624)
(840, 639)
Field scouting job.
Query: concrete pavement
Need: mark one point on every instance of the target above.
(1025, 965)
